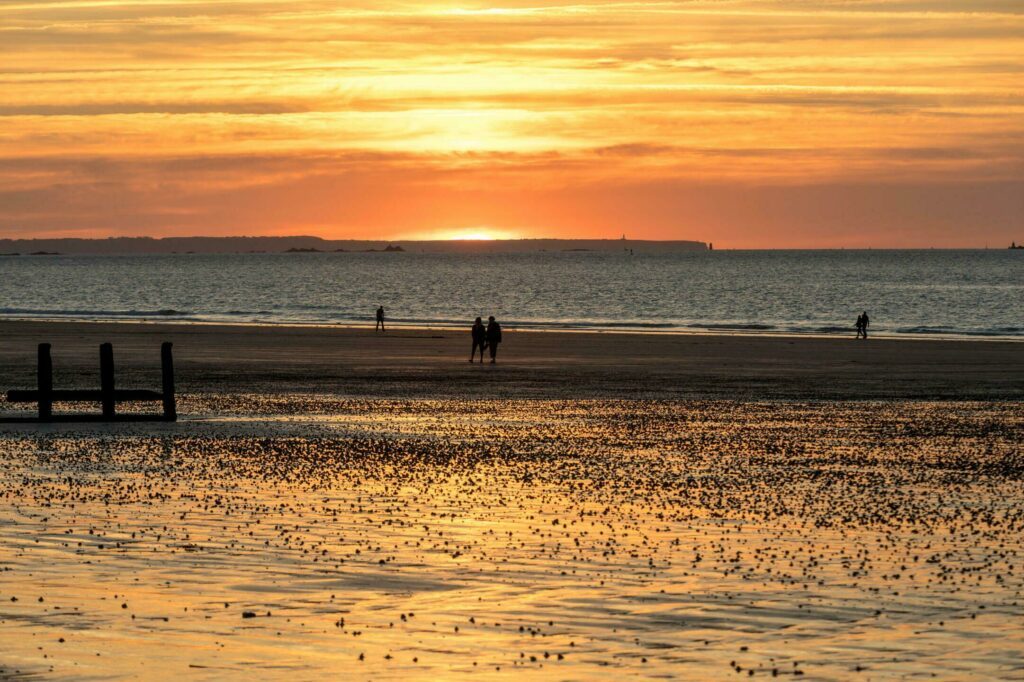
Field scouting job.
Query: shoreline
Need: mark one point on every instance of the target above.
(432, 363)
(667, 329)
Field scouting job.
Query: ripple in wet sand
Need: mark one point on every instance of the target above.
(310, 535)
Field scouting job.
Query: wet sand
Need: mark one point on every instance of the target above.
(339, 504)
(306, 537)
(432, 363)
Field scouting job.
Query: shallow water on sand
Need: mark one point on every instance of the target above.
(299, 537)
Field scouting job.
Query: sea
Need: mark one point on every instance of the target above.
(948, 293)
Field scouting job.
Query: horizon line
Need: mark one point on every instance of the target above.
(500, 240)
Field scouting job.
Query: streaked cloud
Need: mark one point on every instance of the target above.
(165, 116)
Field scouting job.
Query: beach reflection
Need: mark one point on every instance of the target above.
(301, 536)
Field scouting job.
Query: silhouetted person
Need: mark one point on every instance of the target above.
(479, 333)
(860, 325)
(864, 324)
(380, 319)
(493, 337)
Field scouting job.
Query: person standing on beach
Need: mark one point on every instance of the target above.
(864, 324)
(380, 319)
(493, 337)
(479, 333)
(860, 325)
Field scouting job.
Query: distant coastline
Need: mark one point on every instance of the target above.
(306, 245)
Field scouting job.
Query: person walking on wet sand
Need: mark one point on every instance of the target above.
(479, 333)
(862, 325)
(380, 319)
(493, 337)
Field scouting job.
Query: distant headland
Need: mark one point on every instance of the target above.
(307, 245)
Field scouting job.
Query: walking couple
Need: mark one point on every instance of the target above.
(862, 325)
(486, 338)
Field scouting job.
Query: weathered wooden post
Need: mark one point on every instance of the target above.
(108, 396)
(107, 379)
(167, 365)
(44, 381)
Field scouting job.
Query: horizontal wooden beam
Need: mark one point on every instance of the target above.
(86, 418)
(85, 395)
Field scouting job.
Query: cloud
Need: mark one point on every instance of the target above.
(185, 115)
(384, 195)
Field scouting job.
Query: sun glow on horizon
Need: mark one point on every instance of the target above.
(464, 234)
(478, 236)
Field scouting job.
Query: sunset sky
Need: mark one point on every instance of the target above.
(799, 123)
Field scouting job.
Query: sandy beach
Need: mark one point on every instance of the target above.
(689, 461)
(429, 363)
(597, 506)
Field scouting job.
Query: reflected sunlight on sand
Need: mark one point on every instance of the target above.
(303, 536)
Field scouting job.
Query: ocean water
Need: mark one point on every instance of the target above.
(950, 293)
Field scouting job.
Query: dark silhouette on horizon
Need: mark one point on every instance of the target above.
(493, 337)
(479, 333)
(862, 325)
(380, 319)
(311, 244)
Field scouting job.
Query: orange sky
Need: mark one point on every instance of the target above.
(797, 123)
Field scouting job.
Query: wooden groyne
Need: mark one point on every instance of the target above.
(45, 395)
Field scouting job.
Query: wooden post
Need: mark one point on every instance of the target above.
(45, 382)
(107, 379)
(167, 364)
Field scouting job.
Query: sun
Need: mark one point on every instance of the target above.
(471, 234)
(474, 236)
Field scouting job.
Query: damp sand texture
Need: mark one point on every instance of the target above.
(308, 536)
